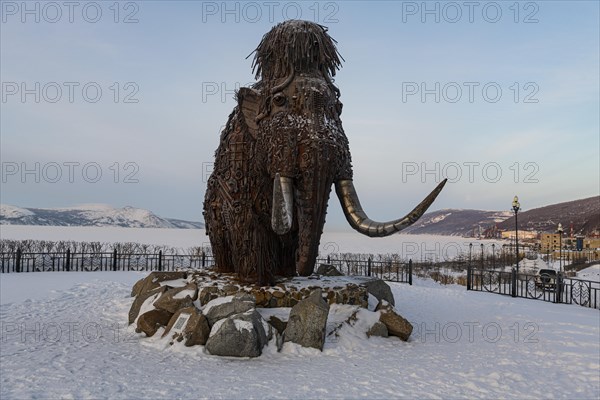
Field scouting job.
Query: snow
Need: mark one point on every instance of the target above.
(184, 293)
(174, 283)
(440, 218)
(9, 212)
(590, 273)
(533, 266)
(243, 325)
(17, 288)
(64, 335)
(373, 302)
(283, 313)
(216, 326)
(148, 305)
(216, 302)
(86, 214)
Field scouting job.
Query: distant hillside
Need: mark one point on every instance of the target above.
(455, 222)
(90, 215)
(583, 214)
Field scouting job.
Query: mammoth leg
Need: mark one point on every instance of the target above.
(216, 229)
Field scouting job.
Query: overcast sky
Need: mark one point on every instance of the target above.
(500, 97)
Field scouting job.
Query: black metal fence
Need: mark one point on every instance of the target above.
(17, 262)
(545, 287)
(394, 271)
(550, 288)
(90, 261)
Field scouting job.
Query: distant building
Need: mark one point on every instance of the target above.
(591, 243)
(550, 241)
(523, 235)
(573, 249)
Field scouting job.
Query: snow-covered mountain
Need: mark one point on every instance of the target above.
(90, 215)
(456, 222)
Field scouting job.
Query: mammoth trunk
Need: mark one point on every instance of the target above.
(312, 195)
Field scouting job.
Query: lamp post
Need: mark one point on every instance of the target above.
(470, 250)
(481, 255)
(559, 230)
(493, 255)
(516, 207)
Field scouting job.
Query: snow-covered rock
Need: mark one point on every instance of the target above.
(395, 323)
(307, 322)
(239, 335)
(223, 307)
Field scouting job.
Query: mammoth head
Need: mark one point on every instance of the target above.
(296, 46)
(294, 63)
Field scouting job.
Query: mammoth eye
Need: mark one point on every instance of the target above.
(279, 99)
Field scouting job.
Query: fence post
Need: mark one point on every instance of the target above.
(410, 272)
(114, 266)
(369, 267)
(68, 261)
(328, 260)
(160, 260)
(469, 277)
(203, 259)
(514, 282)
(558, 288)
(18, 261)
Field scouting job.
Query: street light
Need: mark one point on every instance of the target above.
(481, 255)
(470, 250)
(493, 255)
(516, 207)
(559, 230)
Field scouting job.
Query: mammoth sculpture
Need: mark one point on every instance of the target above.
(281, 151)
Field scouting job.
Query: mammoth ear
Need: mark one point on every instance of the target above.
(249, 103)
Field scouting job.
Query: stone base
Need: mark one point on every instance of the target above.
(235, 319)
(286, 293)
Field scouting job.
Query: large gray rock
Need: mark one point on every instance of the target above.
(239, 335)
(379, 289)
(194, 331)
(328, 270)
(307, 322)
(139, 301)
(150, 321)
(176, 298)
(395, 323)
(219, 308)
(378, 329)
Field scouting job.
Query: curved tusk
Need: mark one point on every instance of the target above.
(283, 204)
(359, 221)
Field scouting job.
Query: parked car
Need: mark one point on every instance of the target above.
(546, 279)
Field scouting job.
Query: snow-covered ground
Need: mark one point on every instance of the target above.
(417, 247)
(591, 273)
(63, 335)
